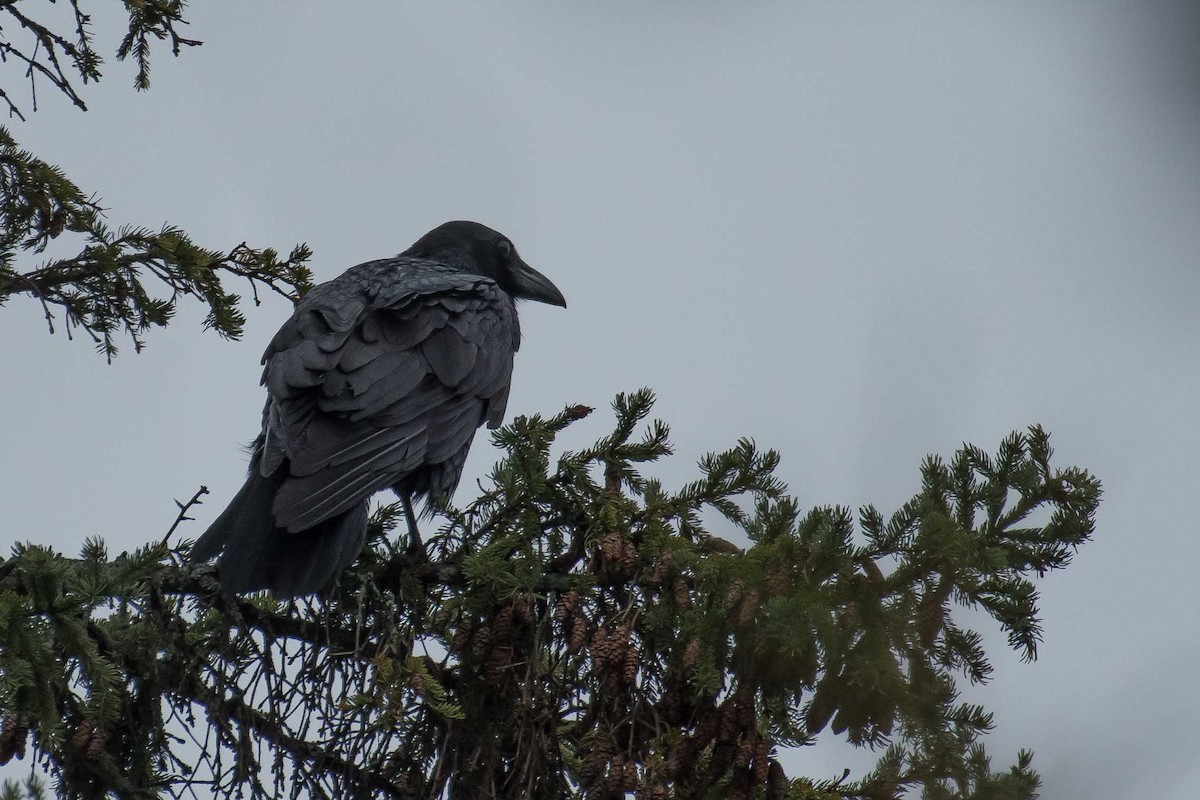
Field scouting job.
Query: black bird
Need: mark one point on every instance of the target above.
(378, 380)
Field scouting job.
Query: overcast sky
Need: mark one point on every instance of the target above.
(857, 232)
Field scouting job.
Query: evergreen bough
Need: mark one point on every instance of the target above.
(122, 282)
(578, 630)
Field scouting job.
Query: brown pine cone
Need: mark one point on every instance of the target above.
(522, 610)
(631, 666)
(482, 642)
(499, 661)
(502, 625)
(662, 566)
(707, 725)
(14, 732)
(631, 776)
(745, 753)
(778, 582)
(83, 735)
(777, 782)
(762, 761)
(691, 654)
(610, 548)
(683, 598)
(564, 609)
(629, 559)
(747, 716)
(621, 636)
(728, 727)
(462, 635)
(931, 617)
(578, 634)
(749, 608)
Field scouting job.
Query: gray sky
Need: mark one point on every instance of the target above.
(858, 232)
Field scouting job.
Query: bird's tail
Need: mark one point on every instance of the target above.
(257, 554)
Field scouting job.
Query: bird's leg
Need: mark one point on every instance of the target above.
(416, 547)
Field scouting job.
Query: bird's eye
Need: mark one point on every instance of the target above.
(505, 248)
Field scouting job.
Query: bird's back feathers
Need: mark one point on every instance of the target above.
(380, 378)
(424, 361)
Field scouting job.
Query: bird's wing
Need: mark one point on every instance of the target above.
(368, 385)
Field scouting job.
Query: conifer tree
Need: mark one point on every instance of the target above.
(577, 630)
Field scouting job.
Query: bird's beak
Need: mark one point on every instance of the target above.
(533, 285)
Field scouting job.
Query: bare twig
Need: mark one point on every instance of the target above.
(183, 510)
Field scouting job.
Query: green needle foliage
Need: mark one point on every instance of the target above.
(578, 630)
(122, 282)
(53, 43)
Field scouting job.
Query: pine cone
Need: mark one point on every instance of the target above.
(621, 636)
(96, 746)
(749, 608)
(681, 758)
(83, 735)
(96, 743)
(683, 598)
(631, 665)
(599, 646)
(631, 776)
(482, 643)
(462, 635)
(778, 582)
(872, 570)
(593, 763)
(721, 759)
(576, 412)
(706, 726)
(655, 792)
(670, 707)
(614, 781)
(745, 753)
(777, 782)
(742, 785)
(747, 716)
(662, 566)
(564, 609)
(578, 634)
(931, 617)
(850, 618)
(618, 558)
(820, 709)
(762, 761)
(14, 732)
(737, 590)
(629, 559)
(610, 548)
(499, 661)
(728, 727)
(502, 626)
(691, 654)
(522, 610)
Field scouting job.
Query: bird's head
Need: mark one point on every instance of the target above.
(479, 250)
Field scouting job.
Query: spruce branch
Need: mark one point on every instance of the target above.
(66, 60)
(574, 632)
(127, 281)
